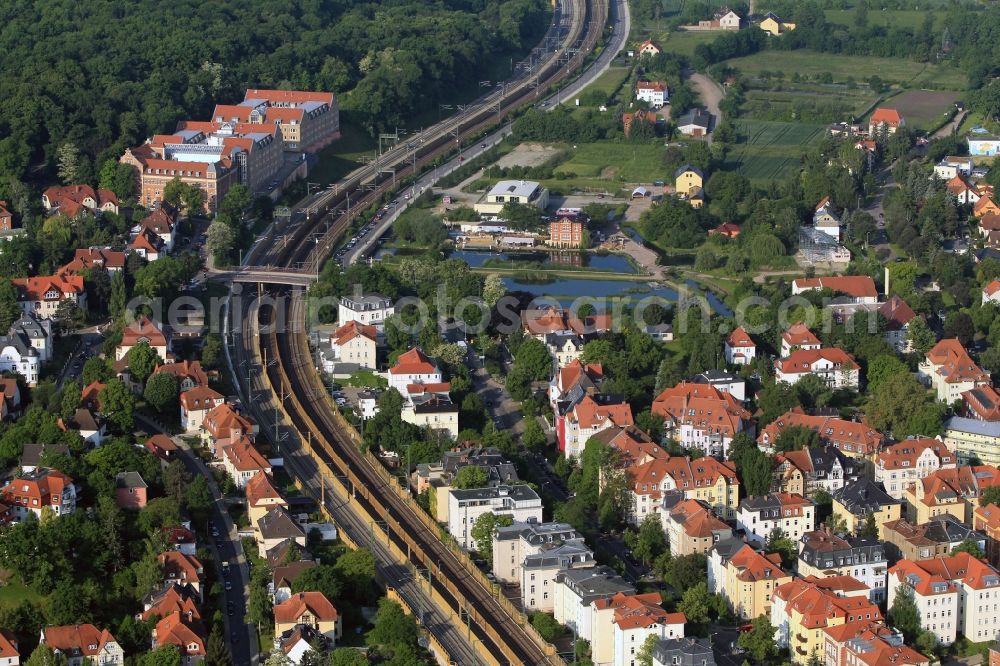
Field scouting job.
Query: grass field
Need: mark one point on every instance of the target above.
(858, 68)
(341, 157)
(924, 108)
(615, 162)
(767, 151)
(608, 83)
(14, 592)
(889, 18)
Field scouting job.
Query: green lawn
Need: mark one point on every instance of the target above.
(767, 151)
(615, 162)
(889, 18)
(683, 42)
(14, 592)
(859, 68)
(609, 82)
(341, 157)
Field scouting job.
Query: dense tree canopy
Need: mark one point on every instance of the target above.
(395, 58)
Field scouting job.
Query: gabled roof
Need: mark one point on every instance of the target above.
(354, 329)
(855, 286)
(754, 566)
(295, 606)
(589, 413)
(958, 568)
(993, 287)
(200, 397)
(657, 86)
(244, 457)
(905, 454)
(144, 329)
(897, 313)
(953, 363)
(185, 370)
(8, 645)
(260, 488)
(703, 405)
(642, 611)
(286, 574)
(860, 437)
(799, 335)
(176, 629)
(983, 402)
(803, 360)
(103, 258)
(890, 117)
(35, 288)
(817, 606)
(697, 520)
(414, 362)
(178, 566)
(77, 640)
(174, 599)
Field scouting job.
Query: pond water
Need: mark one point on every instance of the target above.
(565, 291)
(607, 262)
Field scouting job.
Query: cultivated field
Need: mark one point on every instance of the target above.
(858, 68)
(767, 151)
(923, 108)
(805, 102)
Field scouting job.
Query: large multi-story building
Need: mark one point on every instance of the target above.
(566, 232)
(465, 506)
(32, 492)
(690, 526)
(899, 466)
(835, 367)
(863, 501)
(853, 438)
(706, 479)
(954, 594)
(370, 309)
(744, 577)
(823, 554)
(807, 471)
(954, 491)
(950, 371)
(591, 415)
(802, 609)
(80, 644)
(869, 643)
(538, 573)
(513, 191)
(701, 416)
(42, 295)
(973, 439)
(759, 516)
(309, 121)
(579, 594)
(512, 544)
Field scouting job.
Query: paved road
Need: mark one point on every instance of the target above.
(621, 21)
(227, 549)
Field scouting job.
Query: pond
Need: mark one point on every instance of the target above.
(613, 263)
(565, 291)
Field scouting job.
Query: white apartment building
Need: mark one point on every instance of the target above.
(515, 542)
(466, 505)
(899, 466)
(950, 371)
(370, 309)
(834, 366)
(759, 516)
(740, 348)
(653, 93)
(579, 592)
(538, 573)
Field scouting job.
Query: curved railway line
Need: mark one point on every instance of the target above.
(501, 629)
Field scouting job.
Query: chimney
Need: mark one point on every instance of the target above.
(886, 282)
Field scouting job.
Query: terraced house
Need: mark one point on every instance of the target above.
(852, 438)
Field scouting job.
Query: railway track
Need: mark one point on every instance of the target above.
(499, 628)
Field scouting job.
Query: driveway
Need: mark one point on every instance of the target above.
(711, 93)
(951, 126)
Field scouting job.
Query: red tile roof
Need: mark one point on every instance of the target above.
(36, 288)
(799, 335)
(588, 413)
(754, 566)
(8, 644)
(701, 473)
(77, 639)
(890, 117)
(413, 362)
(897, 313)
(245, 458)
(199, 398)
(288, 96)
(43, 487)
(172, 601)
(740, 338)
(905, 454)
(180, 567)
(316, 603)
(351, 330)
(143, 330)
(224, 422)
(856, 286)
(803, 360)
(835, 431)
(260, 488)
(818, 606)
(960, 567)
(954, 363)
(176, 629)
(697, 519)
(658, 86)
(703, 406)
(93, 257)
(639, 611)
(983, 403)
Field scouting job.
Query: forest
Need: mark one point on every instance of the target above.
(105, 74)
